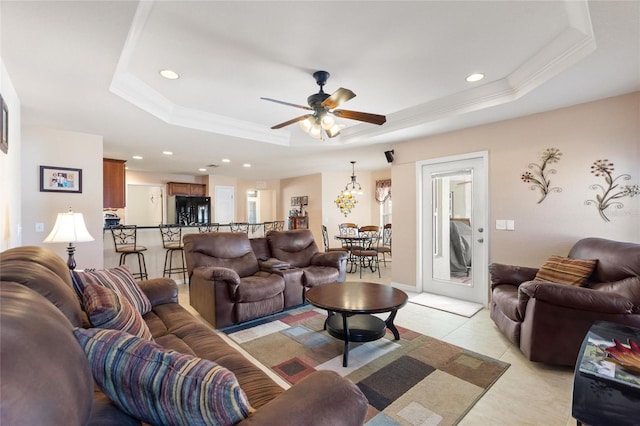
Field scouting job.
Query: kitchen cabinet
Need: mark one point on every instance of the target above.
(184, 188)
(113, 183)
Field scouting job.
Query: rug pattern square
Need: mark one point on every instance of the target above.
(417, 380)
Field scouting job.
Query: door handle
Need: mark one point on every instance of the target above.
(481, 240)
(480, 229)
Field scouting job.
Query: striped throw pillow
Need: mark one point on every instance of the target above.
(160, 386)
(107, 309)
(118, 279)
(564, 270)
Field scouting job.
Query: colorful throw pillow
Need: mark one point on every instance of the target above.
(160, 386)
(118, 279)
(564, 270)
(107, 309)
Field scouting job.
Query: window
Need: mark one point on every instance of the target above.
(253, 207)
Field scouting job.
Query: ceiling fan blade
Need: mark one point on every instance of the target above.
(337, 98)
(360, 116)
(286, 103)
(293, 120)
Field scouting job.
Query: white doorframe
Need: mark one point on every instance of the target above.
(423, 204)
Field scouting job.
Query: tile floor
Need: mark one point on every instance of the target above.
(527, 394)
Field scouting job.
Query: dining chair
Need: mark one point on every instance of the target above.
(125, 242)
(367, 255)
(325, 240)
(172, 243)
(385, 247)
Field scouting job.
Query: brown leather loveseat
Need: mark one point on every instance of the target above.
(233, 279)
(46, 378)
(548, 321)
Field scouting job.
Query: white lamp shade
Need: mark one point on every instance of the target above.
(69, 228)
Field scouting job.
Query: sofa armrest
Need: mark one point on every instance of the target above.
(509, 274)
(320, 399)
(216, 273)
(573, 297)
(271, 263)
(331, 258)
(160, 290)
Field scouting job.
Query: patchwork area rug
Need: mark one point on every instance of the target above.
(447, 304)
(417, 380)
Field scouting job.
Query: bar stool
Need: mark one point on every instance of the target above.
(172, 242)
(209, 227)
(125, 241)
(239, 227)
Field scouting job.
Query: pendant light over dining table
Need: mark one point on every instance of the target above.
(346, 200)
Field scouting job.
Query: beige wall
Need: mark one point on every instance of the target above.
(48, 147)
(10, 191)
(605, 129)
(311, 186)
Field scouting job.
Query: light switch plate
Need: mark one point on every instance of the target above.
(39, 227)
(511, 225)
(501, 224)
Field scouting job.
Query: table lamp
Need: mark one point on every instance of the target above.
(69, 228)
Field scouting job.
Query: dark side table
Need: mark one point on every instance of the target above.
(356, 301)
(598, 401)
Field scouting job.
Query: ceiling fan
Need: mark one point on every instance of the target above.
(322, 106)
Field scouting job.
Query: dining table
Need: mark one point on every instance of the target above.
(351, 242)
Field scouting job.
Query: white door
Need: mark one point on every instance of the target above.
(454, 214)
(225, 204)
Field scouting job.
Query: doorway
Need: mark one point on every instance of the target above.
(225, 204)
(453, 240)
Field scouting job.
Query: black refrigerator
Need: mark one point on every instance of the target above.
(185, 210)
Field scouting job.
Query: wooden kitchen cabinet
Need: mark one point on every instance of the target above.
(113, 183)
(183, 188)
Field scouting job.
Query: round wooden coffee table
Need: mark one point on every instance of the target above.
(356, 301)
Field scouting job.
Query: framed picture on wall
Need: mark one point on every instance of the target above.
(4, 126)
(60, 179)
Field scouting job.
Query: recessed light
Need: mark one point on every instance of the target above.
(226, 160)
(202, 169)
(169, 74)
(137, 157)
(475, 77)
(167, 152)
(246, 165)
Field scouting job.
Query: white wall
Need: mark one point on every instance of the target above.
(48, 147)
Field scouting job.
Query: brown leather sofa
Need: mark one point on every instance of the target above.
(46, 379)
(233, 279)
(548, 321)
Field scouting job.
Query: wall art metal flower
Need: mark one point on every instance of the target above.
(346, 203)
(539, 176)
(612, 191)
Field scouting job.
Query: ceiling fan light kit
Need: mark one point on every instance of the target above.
(323, 109)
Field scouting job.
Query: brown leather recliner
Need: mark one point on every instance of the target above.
(226, 285)
(548, 321)
(299, 249)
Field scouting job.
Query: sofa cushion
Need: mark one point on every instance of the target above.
(564, 270)
(118, 279)
(295, 247)
(315, 275)
(259, 287)
(505, 297)
(160, 386)
(108, 309)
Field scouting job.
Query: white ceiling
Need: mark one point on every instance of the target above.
(92, 67)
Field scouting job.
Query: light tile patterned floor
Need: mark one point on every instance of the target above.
(527, 394)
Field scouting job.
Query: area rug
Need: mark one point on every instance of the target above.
(447, 304)
(417, 380)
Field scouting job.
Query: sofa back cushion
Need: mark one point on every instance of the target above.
(46, 378)
(223, 249)
(616, 260)
(295, 247)
(44, 272)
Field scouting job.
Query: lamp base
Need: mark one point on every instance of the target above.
(71, 262)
